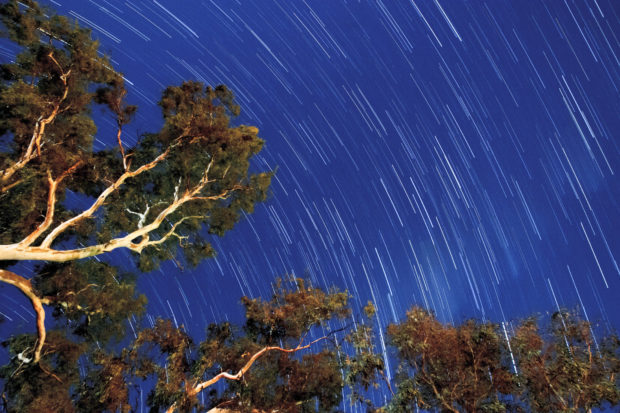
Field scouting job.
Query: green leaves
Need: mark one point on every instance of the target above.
(46, 97)
(43, 387)
(364, 367)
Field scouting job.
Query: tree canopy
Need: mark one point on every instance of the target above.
(160, 198)
(476, 366)
(67, 203)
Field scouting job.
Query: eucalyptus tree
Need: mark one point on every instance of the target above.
(63, 201)
(476, 366)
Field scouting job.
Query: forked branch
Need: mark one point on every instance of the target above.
(47, 242)
(44, 252)
(51, 205)
(37, 134)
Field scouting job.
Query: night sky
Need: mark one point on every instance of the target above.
(459, 155)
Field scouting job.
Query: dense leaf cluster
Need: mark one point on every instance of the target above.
(480, 367)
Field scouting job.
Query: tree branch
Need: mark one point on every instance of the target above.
(39, 130)
(237, 376)
(120, 146)
(101, 199)
(172, 232)
(51, 204)
(65, 304)
(117, 108)
(424, 375)
(45, 253)
(25, 287)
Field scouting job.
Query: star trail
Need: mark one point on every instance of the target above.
(459, 155)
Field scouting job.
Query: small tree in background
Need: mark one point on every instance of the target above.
(449, 368)
(564, 368)
(364, 367)
(471, 367)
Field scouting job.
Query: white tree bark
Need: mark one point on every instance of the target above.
(24, 250)
(198, 387)
(25, 287)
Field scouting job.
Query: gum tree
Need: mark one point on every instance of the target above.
(63, 201)
(477, 366)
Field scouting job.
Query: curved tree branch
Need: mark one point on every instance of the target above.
(101, 199)
(193, 391)
(25, 287)
(44, 253)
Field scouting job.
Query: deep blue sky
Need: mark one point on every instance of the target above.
(460, 155)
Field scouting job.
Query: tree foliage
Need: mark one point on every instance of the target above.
(565, 368)
(447, 367)
(155, 198)
(364, 367)
(62, 200)
(478, 367)
(297, 372)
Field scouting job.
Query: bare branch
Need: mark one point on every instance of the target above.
(120, 121)
(51, 56)
(25, 287)
(11, 185)
(190, 195)
(26, 157)
(172, 232)
(120, 145)
(237, 376)
(176, 190)
(51, 205)
(223, 195)
(141, 215)
(101, 199)
(49, 373)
